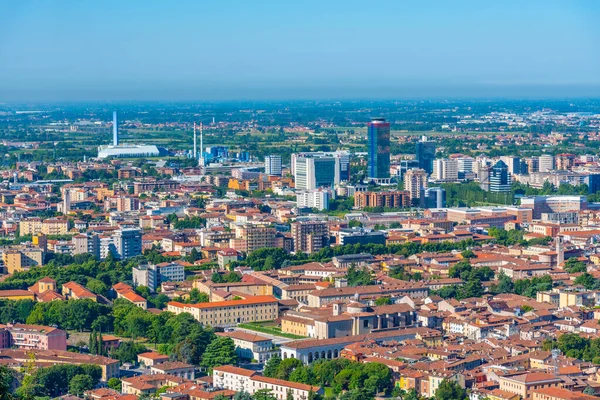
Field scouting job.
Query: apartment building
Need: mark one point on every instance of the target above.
(86, 243)
(22, 259)
(175, 368)
(128, 242)
(249, 237)
(310, 236)
(415, 181)
(524, 384)
(37, 337)
(391, 199)
(30, 226)
(229, 313)
(22, 357)
(240, 379)
(317, 198)
(555, 393)
(147, 385)
(55, 226)
(153, 275)
(251, 346)
(227, 256)
(161, 186)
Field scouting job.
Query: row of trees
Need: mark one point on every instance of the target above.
(341, 374)
(573, 345)
(275, 258)
(57, 380)
(98, 276)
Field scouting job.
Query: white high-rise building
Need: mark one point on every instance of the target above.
(273, 165)
(445, 169)
(465, 164)
(314, 172)
(318, 199)
(67, 202)
(546, 163)
(342, 162)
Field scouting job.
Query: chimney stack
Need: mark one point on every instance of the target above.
(195, 147)
(115, 130)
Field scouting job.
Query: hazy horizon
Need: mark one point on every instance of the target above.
(268, 50)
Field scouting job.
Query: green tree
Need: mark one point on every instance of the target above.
(242, 395)
(586, 280)
(264, 394)
(383, 301)
(271, 366)
(449, 390)
(411, 394)
(7, 378)
(221, 351)
(357, 394)
(573, 265)
(115, 384)
(358, 277)
(468, 254)
(286, 367)
(80, 383)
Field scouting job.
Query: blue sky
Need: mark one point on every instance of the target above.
(227, 49)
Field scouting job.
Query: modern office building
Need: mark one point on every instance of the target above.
(553, 204)
(445, 170)
(128, 242)
(434, 197)
(415, 180)
(378, 166)
(546, 163)
(360, 236)
(593, 182)
(513, 164)
(465, 164)
(340, 157)
(425, 154)
(500, 178)
(273, 165)
(315, 172)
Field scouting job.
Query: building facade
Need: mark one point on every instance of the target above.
(378, 131)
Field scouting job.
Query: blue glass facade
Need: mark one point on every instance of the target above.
(379, 149)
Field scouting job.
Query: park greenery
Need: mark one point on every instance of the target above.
(340, 374)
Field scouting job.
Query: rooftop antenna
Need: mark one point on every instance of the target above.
(195, 147)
